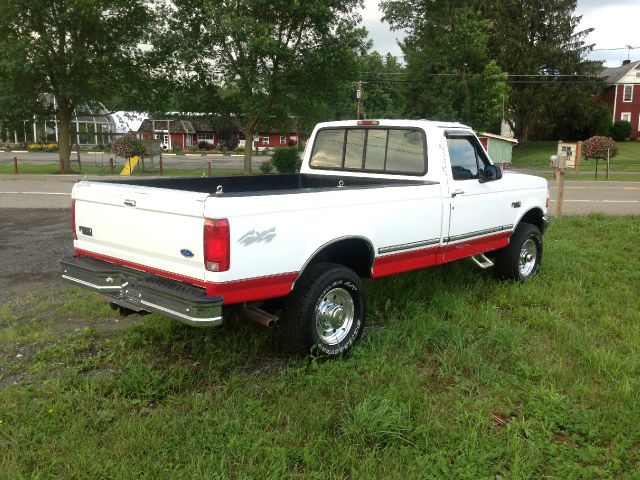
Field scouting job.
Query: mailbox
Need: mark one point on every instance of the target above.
(558, 161)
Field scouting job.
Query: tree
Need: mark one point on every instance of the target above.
(449, 72)
(538, 44)
(78, 50)
(265, 59)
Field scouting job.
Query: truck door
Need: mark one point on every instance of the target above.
(477, 203)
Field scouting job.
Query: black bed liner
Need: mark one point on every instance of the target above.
(284, 183)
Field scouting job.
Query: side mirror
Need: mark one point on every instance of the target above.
(490, 173)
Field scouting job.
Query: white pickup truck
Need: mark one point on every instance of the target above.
(373, 198)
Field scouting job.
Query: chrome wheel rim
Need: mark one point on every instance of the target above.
(528, 257)
(334, 316)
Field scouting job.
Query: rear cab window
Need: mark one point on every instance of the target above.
(392, 150)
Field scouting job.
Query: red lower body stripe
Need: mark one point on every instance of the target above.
(272, 286)
(427, 257)
(238, 291)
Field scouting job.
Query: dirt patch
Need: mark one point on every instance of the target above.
(32, 241)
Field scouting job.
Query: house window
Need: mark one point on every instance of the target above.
(265, 140)
(205, 137)
(626, 116)
(283, 140)
(628, 93)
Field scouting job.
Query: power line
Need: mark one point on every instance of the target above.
(627, 47)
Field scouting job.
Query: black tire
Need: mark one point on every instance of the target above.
(339, 290)
(508, 265)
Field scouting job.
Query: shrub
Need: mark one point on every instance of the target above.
(621, 130)
(127, 146)
(239, 150)
(203, 145)
(175, 148)
(597, 148)
(266, 167)
(286, 160)
(42, 147)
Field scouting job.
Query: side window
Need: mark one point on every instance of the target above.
(466, 159)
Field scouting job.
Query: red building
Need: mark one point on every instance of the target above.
(622, 93)
(170, 132)
(191, 130)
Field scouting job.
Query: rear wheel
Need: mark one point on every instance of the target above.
(520, 260)
(325, 311)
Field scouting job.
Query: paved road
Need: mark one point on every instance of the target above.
(613, 197)
(53, 191)
(227, 162)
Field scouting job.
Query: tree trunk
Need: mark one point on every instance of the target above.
(249, 131)
(64, 135)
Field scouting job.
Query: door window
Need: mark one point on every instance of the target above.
(466, 160)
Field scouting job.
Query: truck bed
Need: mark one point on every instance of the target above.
(257, 185)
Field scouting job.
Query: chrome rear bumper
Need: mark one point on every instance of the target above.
(141, 291)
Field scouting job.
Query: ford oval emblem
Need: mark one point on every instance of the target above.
(186, 253)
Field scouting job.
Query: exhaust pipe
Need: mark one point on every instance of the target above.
(260, 316)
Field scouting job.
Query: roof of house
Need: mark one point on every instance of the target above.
(497, 137)
(128, 121)
(614, 74)
(175, 125)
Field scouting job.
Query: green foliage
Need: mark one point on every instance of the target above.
(599, 148)
(263, 59)
(541, 38)
(286, 160)
(621, 130)
(582, 118)
(127, 146)
(266, 167)
(450, 74)
(79, 51)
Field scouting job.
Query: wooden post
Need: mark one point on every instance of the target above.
(15, 165)
(209, 166)
(560, 186)
(161, 167)
(111, 166)
(608, 163)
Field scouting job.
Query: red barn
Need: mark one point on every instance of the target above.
(622, 93)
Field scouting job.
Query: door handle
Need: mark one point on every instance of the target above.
(457, 192)
(130, 203)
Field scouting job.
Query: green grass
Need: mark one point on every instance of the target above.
(536, 154)
(457, 376)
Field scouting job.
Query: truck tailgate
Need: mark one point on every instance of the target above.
(143, 227)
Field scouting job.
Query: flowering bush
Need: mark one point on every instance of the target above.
(42, 147)
(127, 146)
(266, 167)
(597, 147)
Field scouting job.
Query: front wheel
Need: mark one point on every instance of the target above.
(520, 260)
(325, 311)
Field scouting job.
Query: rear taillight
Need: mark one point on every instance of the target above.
(73, 219)
(216, 245)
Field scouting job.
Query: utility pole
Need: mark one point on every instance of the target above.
(360, 110)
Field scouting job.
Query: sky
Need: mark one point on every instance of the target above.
(614, 23)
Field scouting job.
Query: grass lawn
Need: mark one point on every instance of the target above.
(457, 376)
(536, 154)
